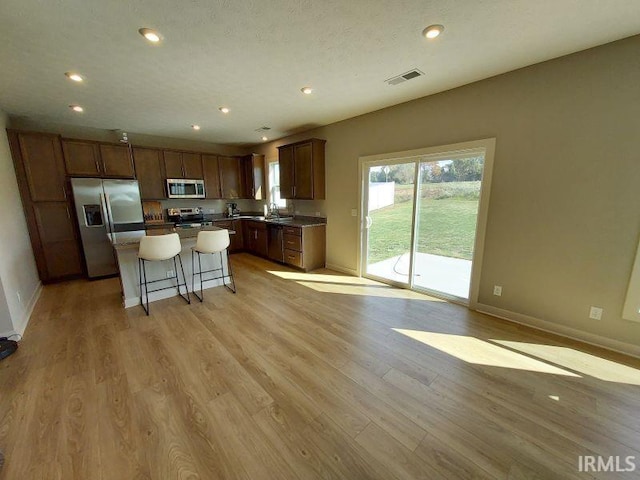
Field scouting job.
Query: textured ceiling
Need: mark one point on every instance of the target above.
(254, 56)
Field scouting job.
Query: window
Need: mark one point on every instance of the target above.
(274, 185)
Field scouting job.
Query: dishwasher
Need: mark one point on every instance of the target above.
(276, 251)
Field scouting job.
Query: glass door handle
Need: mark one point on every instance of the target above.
(369, 222)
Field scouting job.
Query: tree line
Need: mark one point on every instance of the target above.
(458, 170)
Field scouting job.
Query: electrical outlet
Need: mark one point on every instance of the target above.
(497, 290)
(354, 212)
(19, 298)
(595, 313)
(317, 214)
(170, 273)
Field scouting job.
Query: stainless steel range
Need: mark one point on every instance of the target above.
(191, 217)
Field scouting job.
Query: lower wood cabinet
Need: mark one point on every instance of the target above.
(255, 237)
(236, 239)
(60, 250)
(304, 247)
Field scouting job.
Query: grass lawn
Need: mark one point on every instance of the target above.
(446, 225)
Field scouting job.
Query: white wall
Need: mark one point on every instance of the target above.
(18, 271)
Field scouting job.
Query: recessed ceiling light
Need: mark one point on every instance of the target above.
(76, 108)
(432, 31)
(149, 34)
(195, 127)
(224, 109)
(264, 139)
(307, 90)
(76, 77)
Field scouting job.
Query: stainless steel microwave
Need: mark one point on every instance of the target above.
(185, 188)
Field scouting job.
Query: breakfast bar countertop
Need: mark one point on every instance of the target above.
(132, 239)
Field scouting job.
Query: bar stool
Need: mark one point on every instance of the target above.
(211, 242)
(157, 248)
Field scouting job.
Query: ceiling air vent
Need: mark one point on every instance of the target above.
(263, 129)
(404, 77)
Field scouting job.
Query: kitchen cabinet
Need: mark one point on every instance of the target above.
(93, 159)
(236, 240)
(305, 247)
(230, 177)
(81, 158)
(40, 171)
(182, 164)
(116, 161)
(302, 174)
(255, 238)
(211, 173)
(148, 165)
(253, 170)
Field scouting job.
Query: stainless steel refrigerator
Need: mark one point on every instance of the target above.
(102, 207)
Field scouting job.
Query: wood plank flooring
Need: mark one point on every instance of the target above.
(304, 376)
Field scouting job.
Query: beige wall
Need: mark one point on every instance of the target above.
(564, 215)
(18, 271)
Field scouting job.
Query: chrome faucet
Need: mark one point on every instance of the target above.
(275, 212)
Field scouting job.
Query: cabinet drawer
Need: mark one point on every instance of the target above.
(292, 231)
(292, 242)
(293, 258)
(224, 224)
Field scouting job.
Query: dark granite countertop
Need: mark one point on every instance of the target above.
(295, 221)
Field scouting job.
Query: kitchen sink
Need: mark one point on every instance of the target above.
(280, 220)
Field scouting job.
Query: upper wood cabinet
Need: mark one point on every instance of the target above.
(211, 172)
(94, 159)
(148, 163)
(40, 171)
(253, 176)
(116, 161)
(81, 158)
(41, 157)
(182, 164)
(231, 181)
(302, 173)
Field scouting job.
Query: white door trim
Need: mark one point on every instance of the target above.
(488, 145)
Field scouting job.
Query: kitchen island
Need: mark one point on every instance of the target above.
(126, 246)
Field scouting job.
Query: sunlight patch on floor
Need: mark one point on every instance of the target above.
(579, 361)
(322, 277)
(479, 352)
(348, 285)
(368, 291)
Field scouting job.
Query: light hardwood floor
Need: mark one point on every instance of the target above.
(304, 376)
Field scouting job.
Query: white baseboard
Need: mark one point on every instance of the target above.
(338, 268)
(562, 330)
(21, 326)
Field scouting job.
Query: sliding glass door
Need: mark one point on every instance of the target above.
(420, 222)
(390, 203)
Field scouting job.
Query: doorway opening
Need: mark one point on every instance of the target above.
(424, 214)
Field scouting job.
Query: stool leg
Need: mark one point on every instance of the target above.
(201, 281)
(143, 271)
(193, 275)
(230, 272)
(188, 298)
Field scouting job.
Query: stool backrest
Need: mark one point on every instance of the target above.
(159, 247)
(212, 241)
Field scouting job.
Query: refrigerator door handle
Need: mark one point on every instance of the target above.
(105, 213)
(109, 212)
